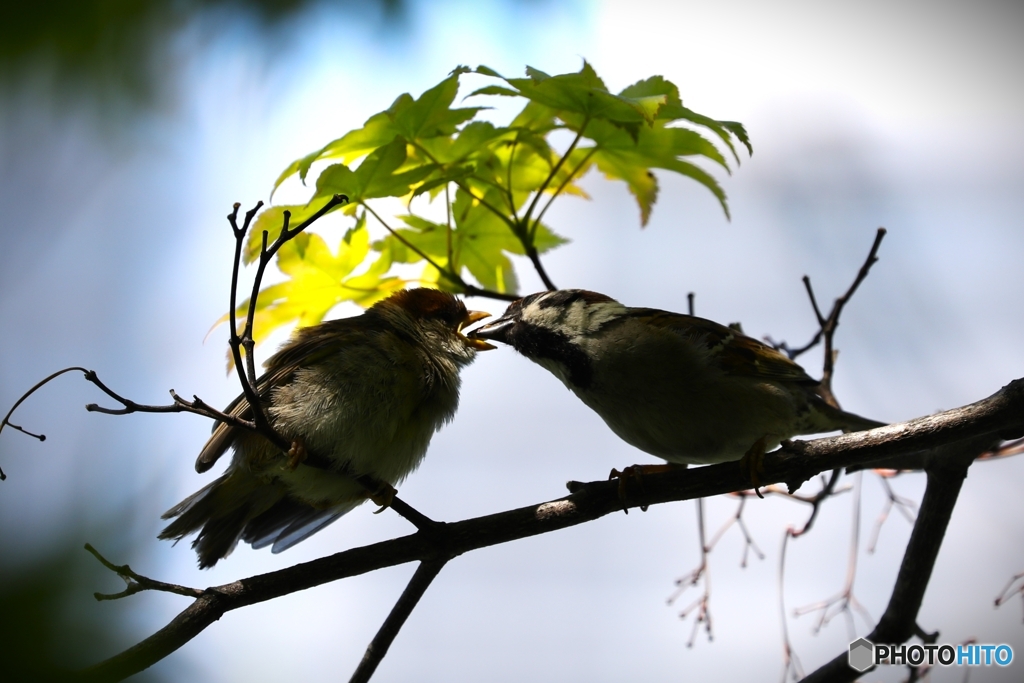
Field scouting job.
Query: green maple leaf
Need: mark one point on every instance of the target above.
(580, 97)
(629, 130)
(480, 243)
(376, 176)
(617, 155)
(415, 119)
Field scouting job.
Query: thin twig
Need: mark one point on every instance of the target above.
(472, 290)
(534, 256)
(832, 323)
(737, 520)
(904, 505)
(1009, 591)
(180, 405)
(467, 189)
(234, 341)
(703, 603)
(446, 273)
(38, 385)
(136, 583)
(448, 215)
(828, 489)
(378, 647)
(827, 325)
(513, 225)
(844, 602)
(508, 181)
(790, 662)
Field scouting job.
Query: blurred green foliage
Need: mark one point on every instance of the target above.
(118, 49)
(49, 625)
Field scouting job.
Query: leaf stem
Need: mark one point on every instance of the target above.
(508, 182)
(558, 191)
(448, 211)
(551, 177)
(444, 272)
(513, 225)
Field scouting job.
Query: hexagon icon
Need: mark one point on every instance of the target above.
(861, 655)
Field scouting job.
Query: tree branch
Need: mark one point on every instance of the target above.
(946, 472)
(136, 583)
(418, 585)
(827, 326)
(976, 425)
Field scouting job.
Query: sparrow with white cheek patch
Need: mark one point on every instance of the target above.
(676, 386)
(363, 395)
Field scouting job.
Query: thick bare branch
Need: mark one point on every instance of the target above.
(975, 425)
(946, 472)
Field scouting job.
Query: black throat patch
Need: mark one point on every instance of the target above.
(539, 342)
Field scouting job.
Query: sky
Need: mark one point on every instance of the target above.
(861, 115)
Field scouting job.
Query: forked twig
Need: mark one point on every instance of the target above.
(1015, 586)
(844, 602)
(703, 603)
(137, 583)
(702, 571)
(906, 506)
(827, 325)
(828, 489)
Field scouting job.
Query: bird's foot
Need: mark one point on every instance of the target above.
(636, 473)
(297, 453)
(752, 463)
(383, 497)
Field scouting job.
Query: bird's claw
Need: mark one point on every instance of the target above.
(383, 497)
(752, 463)
(637, 473)
(297, 453)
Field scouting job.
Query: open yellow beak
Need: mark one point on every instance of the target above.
(478, 344)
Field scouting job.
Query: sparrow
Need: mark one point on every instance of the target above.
(682, 388)
(356, 396)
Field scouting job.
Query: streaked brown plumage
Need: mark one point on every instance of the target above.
(683, 388)
(363, 395)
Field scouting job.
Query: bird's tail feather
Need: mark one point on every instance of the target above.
(219, 512)
(849, 422)
(238, 506)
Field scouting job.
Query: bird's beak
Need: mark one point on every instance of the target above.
(472, 340)
(495, 331)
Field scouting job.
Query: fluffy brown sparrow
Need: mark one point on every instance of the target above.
(676, 386)
(363, 395)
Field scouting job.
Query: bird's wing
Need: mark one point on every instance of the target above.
(306, 346)
(733, 352)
